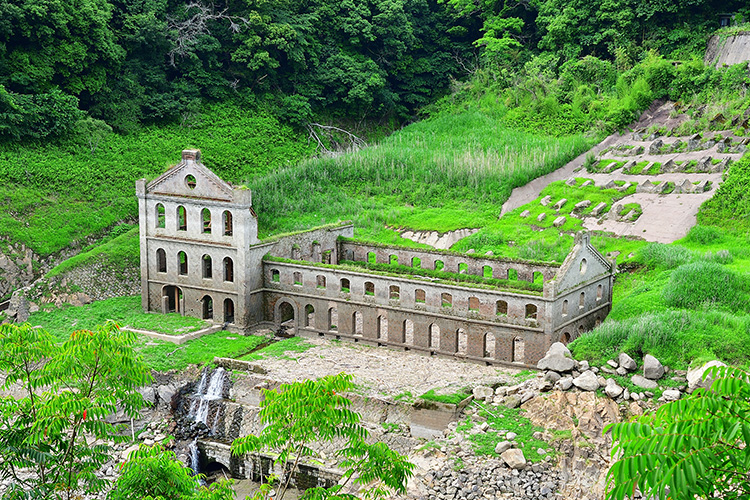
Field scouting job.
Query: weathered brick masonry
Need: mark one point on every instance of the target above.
(200, 255)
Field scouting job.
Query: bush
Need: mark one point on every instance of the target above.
(703, 283)
(659, 255)
(705, 235)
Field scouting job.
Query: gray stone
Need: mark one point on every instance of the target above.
(546, 200)
(571, 182)
(502, 447)
(511, 436)
(621, 371)
(587, 183)
(602, 381)
(560, 203)
(565, 383)
(514, 458)
(613, 363)
(582, 204)
(671, 395)
(556, 363)
(655, 147)
(583, 365)
(639, 381)
(587, 381)
(610, 185)
(483, 392)
(598, 209)
(607, 370)
(612, 389)
(626, 362)
(625, 394)
(525, 213)
(541, 217)
(559, 348)
(695, 375)
(552, 376)
(513, 401)
(559, 221)
(652, 368)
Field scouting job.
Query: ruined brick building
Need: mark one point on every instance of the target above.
(201, 256)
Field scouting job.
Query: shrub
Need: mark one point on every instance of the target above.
(659, 255)
(705, 235)
(702, 283)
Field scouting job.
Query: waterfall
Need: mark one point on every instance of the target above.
(206, 393)
(193, 455)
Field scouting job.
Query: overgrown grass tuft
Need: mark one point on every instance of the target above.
(705, 284)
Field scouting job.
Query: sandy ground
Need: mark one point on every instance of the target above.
(381, 371)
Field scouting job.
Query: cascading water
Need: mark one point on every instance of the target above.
(193, 455)
(208, 390)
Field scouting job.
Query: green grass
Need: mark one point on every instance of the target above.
(280, 349)
(159, 355)
(452, 398)
(120, 252)
(125, 310)
(58, 192)
(508, 420)
(637, 168)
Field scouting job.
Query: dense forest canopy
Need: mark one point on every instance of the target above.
(128, 62)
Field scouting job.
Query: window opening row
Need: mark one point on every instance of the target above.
(226, 219)
(206, 265)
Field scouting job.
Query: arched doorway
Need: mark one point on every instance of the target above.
(518, 350)
(172, 299)
(207, 305)
(565, 337)
(286, 316)
(228, 311)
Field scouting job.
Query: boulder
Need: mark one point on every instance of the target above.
(552, 376)
(483, 392)
(583, 365)
(613, 364)
(695, 376)
(513, 401)
(502, 447)
(559, 221)
(546, 200)
(525, 214)
(565, 383)
(541, 217)
(612, 389)
(671, 395)
(626, 362)
(639, 381)
(559, 348)
(514, 458)
(560, 204)
(598, 209)
(652, 368)
(556, 363)
(586, 381)
(621, 371)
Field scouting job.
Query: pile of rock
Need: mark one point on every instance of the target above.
(489, 479)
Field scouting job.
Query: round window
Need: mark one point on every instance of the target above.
(190, 181)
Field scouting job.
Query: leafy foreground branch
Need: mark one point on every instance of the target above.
(697, 447)
(301, 414)
(51, 437)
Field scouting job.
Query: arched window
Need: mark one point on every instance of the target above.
(206, 216)
(207, 304)
(473, 304)
(183, 263)
(295, 252)
(357, 323)
(583, 266)
(462, 341)
(463, 268)
(565, 308)
(487, 271)
(419, 296)
(518, 350)
(161, 216)
(161, 260)
(320, 281)
(489, 345)
(309, 316)
(393, 260)
(394, 292)
(228, 269)
(501, 308)
(275, 275)
(228, 311)
(371, 258)
(565, 337)
(512, 274)
(297, 278)
(369, 288)
(446, 299)
(181, 218)
(599, 292)
(538, 278)
(416, 262)
(207, 271)
(333, 318)
(434, 336)
(581, 300)
(531, 311)
(227, 222)
(345, 285)
(439, 265)
(408, 332)
(383, 327)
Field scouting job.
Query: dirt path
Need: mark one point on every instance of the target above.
(381, 371)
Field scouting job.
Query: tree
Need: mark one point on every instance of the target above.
(51, 437)
(697, 447)
(151, 473)
(297, 415)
